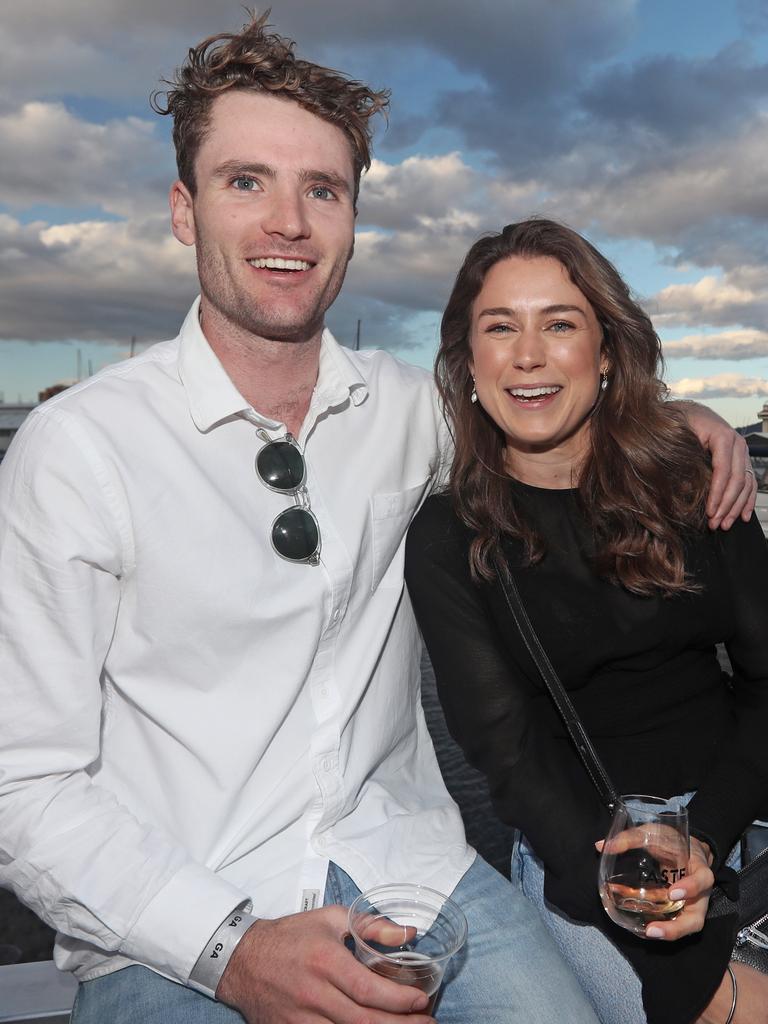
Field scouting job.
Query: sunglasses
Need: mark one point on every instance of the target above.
(295, 533)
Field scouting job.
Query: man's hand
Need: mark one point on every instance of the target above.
(297, 970)
(733, 489)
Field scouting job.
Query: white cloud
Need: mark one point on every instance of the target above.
(418, 190)
(721, 385)
(731, 345)
(99, 280)
(738, 297)
(51, 156)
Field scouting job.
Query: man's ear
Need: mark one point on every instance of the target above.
(182, 213)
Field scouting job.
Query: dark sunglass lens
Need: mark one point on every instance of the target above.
(281, 465)
(295, 534)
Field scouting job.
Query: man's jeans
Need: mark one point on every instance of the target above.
(510, 971)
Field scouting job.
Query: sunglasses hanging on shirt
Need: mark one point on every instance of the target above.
(295, 532)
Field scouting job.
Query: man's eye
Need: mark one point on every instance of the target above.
(321, 192)
(244, 184)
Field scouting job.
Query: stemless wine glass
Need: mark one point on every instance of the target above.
(644, 855)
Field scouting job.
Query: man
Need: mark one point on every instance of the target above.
(210, 669)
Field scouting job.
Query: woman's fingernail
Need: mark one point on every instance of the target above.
(654, 933)
(677, 894)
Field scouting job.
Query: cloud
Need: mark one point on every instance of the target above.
(706, 201)
(730, 345)
(93, 280)
(674, 99)
(739, 297)
(52, 156)
(420, 189)
(411, 269)
(670, 150)
(106, 49)
(114, 49)
(754, 15)
(722, 385)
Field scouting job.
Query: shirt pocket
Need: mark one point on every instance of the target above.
(391, 515)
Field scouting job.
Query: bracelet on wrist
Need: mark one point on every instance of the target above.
(211, 963)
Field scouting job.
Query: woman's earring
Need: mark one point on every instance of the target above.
(603, 380)
(473, 395)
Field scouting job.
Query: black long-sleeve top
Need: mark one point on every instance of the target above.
(644, 677)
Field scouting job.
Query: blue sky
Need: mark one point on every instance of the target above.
(643, 123)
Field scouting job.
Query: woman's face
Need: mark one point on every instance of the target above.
(536, 357)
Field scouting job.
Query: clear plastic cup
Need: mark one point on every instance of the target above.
(407, 933)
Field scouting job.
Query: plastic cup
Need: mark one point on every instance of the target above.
(407, 933)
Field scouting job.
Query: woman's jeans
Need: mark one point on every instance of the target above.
(608, 979)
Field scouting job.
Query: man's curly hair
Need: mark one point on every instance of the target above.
(262, 61)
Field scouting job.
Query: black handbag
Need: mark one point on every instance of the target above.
(745, 891)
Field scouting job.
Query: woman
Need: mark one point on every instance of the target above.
(573, 474)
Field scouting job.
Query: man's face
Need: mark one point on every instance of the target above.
(272, 219)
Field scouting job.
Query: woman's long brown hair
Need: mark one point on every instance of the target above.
(643, 482)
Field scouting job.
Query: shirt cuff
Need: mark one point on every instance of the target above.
(176, 925)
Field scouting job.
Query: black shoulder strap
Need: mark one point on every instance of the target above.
(566, 710)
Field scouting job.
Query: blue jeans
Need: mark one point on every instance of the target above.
(609, 980)
(510, 970)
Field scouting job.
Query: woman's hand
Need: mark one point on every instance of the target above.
(695, 888)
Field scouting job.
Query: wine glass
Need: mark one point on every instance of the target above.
(644, 856)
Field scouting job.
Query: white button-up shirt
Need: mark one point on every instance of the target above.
(188, 720)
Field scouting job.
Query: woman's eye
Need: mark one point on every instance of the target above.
(499, 329)
(561, 326)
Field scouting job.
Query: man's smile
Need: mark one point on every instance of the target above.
(279, 263)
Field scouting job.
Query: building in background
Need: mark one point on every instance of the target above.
(11, 418)
(13, 415)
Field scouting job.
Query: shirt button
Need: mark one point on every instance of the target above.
(335, 616)
(320, 843)
(323, 691)
(326, 764)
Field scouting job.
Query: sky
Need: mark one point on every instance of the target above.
(641, 123)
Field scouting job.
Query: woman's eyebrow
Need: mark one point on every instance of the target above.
(558, 307)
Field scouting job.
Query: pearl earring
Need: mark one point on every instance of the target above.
(603, 380)
(473, 395)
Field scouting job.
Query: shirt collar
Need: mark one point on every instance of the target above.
(213, 397)
(338, 376)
